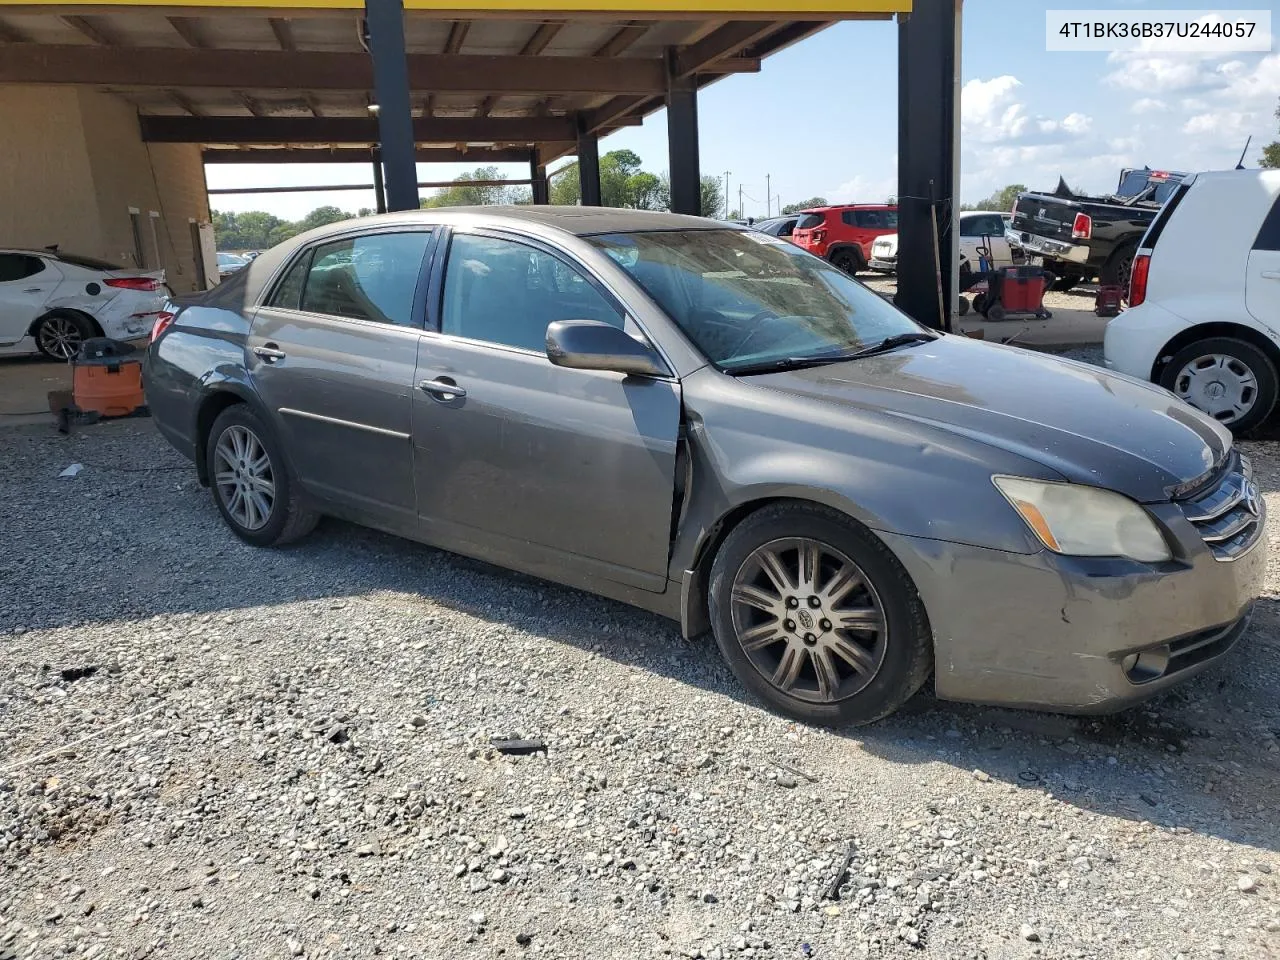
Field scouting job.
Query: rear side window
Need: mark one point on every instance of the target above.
(367, 278)
(18, 266)
(288, 293)
(1162, 218)
(873, 219)
(985, 226)
(809, 221)
(1269, 235)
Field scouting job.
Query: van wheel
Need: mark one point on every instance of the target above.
(1230, 380)
(251, 482)
(816, 616)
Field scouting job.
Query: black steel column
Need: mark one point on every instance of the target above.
(682, 141)
(538, 174)
(927, 115)
(379, 188)
(589, 167)
(385, 21)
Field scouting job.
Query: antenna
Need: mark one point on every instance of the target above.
(1240, 165)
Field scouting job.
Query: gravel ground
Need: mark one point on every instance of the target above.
(208, 750)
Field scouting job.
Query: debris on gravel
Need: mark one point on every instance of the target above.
(291, 753)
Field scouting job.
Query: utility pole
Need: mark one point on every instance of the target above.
(726, 194)
(768, 196)
(741, 211)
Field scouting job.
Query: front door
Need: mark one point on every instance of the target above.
(983, 235)
(26, 282)
(566, 472)
(332, 354)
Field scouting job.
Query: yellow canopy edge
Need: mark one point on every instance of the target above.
(782, 8)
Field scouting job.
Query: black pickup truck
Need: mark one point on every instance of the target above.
(1081, 238)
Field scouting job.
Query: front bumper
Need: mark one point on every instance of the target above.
(884, 264)
(1060, 633)
(1044, 247)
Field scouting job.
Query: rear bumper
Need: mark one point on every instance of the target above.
(1044, 247)
(1134, 340)
(1050, 632)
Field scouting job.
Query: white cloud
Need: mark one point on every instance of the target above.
(990, 111)
(862, 189)
(1149, 105)
(1157, 74)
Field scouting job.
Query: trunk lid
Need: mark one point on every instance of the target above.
(1045, 215)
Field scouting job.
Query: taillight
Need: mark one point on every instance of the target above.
(1082, 228)
(1138, 279)
(148, 284)
(819, 235)
(163, 321)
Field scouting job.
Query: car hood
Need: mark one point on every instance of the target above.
(887, 244)
(1084, 423)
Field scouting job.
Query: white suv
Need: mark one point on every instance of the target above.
(1204, 314)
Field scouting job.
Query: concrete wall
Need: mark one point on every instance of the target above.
(46, 186)
(80, 170)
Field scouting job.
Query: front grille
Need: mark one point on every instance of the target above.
(1229, 515)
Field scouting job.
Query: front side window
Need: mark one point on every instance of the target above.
(371, 277)
(505, 292)
(745, 299)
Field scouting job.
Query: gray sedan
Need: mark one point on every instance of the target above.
(709, 423)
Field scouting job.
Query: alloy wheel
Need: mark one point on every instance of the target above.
(1222, 386)
(244, 478)
(809, 620)
(60, 337)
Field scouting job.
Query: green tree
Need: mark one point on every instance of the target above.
(1271, 152)
(810, 204)
(1001, 200)
(712, 196)
(321, 217)
(473, 189)
(623, 183)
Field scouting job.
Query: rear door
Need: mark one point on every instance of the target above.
(1262, 283)
(333, 354)
(26, 282)
(568, 473)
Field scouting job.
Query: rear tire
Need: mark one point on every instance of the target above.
(1064, 282)
(1117, 269)
(60, 334)
(1208, 373)
(848, 261)
(887, 656)
(253, 487)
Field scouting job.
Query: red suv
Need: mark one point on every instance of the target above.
(844, 234)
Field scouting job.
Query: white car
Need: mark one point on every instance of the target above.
(981, 234)
(52, 302)
(1204, 314)
(229, 263)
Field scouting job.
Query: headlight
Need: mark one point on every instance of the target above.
(1085, 521)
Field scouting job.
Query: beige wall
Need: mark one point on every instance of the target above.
(81, 166)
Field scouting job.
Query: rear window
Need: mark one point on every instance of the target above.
(89, 263)
(1162, 218)
(809, 221)
(1269, 235)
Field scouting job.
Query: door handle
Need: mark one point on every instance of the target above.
(269, 353)
(34, 290)
(1271, 274)
(442, 389)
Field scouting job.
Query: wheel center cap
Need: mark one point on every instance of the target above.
(1216, 390)
(806, 619)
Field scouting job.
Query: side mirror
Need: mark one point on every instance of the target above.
(594, 345)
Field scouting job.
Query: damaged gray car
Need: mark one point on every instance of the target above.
(709, 423)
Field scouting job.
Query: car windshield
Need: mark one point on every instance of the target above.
(231, 259)
(746, 299)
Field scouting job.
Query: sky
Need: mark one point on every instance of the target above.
(820, 119)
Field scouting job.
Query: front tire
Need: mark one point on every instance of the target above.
(852, 657)
(1230, 380)
(59, 335)
(251, 482)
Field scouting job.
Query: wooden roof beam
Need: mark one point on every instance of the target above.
(93, 28)
(286, 130)
(542, 36)
(11, 34)
(361, 155)
(181, 67)
(725, 42)
(188, 28)
(283, 31)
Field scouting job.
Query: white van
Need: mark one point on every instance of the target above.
(1204, 314)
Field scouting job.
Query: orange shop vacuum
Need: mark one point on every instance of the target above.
(106, 381)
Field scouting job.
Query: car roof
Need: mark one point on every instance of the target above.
(573, 221)
(30, 253)
(852, 206)
(984, 213)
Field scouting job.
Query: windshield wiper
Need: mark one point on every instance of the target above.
(787, 363)
(892, 343)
